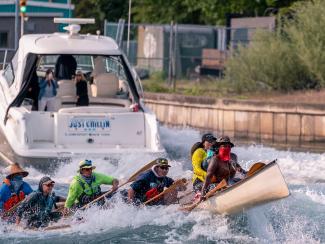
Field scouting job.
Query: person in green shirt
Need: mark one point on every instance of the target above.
(85, 186)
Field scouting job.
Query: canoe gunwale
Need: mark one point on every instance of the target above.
(239, 183)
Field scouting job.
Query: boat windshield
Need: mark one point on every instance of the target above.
(107, 80)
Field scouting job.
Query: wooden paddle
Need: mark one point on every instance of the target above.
(132, 178)
(5, 158)
(255, 168)
(168, 190)
(57, 227)
(221, 185)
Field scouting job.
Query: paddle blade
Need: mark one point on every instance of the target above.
(143, 169)
(255, 168)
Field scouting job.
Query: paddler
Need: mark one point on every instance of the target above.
(37, 209)
(85, 186)
(200, 153)
(14, 189)
(151, 183)
(221, 166)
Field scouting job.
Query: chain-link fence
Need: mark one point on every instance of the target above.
(178, 51)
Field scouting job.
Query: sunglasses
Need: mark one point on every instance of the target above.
(87, 169)
(164, 167)
(50, 185)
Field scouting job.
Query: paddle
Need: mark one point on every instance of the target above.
(168, 190)
(132, 178)
(5, 158)
(57, 227)
(12, 209)
(221, 185)
(255, 168)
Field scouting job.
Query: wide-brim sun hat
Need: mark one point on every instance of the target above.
(86, 164)
(15, 169)
(224, 140)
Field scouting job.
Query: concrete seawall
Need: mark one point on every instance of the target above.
(257, 120)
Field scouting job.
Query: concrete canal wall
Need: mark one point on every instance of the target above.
(257, 120)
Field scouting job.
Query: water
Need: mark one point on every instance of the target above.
(300, 218)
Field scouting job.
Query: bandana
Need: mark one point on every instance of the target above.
(17, 182)
(88, 179)
(224, 153)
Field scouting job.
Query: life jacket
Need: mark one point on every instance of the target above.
(14, 198)
(152, 193)
(155, 188)
(90, 191)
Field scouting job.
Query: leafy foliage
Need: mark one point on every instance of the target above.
(210, 12)
(289, 59)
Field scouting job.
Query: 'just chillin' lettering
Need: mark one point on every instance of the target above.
(89, 124)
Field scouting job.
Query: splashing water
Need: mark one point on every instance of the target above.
(297, 219)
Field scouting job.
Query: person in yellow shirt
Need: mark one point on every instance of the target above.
(199, 154)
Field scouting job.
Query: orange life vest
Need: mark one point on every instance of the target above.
(14, 199)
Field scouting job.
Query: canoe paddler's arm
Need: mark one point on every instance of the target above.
(75, 191)
(198, 156)
(131, 194)
(212, 168)
(107, 180)
(115, 184)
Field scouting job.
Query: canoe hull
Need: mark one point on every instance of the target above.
(266, 185)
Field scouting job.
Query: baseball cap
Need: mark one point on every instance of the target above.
(208, 137)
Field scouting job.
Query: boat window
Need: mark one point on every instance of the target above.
(109, 72)
(9, 74)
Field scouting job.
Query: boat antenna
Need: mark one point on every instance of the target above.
(74, 24)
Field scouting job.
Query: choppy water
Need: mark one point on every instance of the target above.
(300, 218)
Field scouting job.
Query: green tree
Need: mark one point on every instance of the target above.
(204, 11)
(111, 10)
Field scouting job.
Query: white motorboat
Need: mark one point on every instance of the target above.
(116, 119)
(264, 186)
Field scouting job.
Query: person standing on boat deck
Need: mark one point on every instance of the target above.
(47, 93)
(85, 186)
(151, 183)
(65, 67)
(38, 206)
(221, 166)
(14, 189)
(81, 89)
(200, 152)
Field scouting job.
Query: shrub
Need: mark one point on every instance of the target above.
(286, 60)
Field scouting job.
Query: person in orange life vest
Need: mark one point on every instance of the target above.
(13, 189)
(151, 183)
(221, 166)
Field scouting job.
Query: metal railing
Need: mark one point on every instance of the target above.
(178, 51)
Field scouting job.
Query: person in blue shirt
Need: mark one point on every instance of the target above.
(14, 189)
(151, 183)
(48, 90)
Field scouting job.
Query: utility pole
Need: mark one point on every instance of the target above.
(69, 4)
(16, 23)
(129, 26)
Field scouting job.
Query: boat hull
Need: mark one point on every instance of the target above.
(264, 186)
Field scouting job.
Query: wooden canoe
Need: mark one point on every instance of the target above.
(264, 186)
